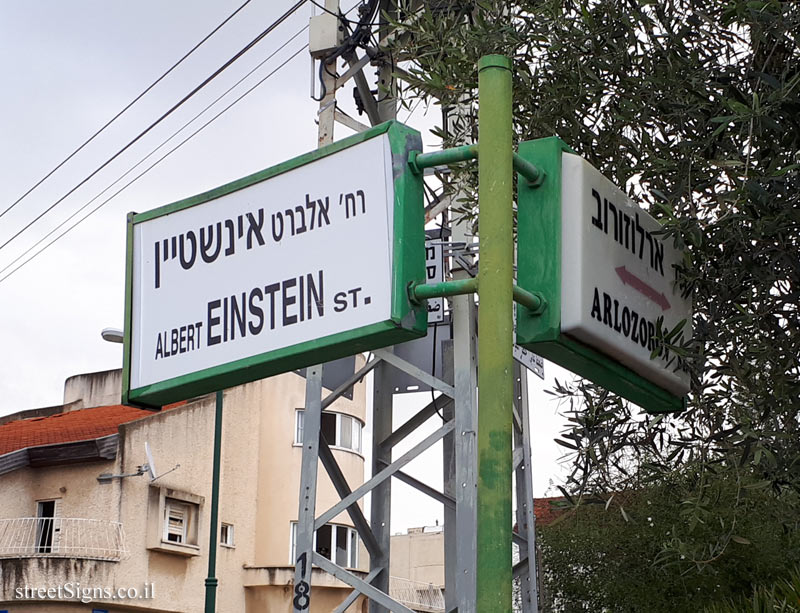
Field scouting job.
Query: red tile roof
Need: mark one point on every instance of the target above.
(546, 513)
(80, 425)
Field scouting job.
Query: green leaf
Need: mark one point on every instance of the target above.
(735, 105)
(758, 485)
(566, 444)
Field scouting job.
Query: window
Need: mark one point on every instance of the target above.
(173, 520)
(177, 518)
(328, 427)
(226, 535)
(298, 434)
(337, 543)
(339, 430)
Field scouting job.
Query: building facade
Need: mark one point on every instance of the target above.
(71, 542)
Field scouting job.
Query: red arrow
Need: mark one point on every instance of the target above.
(628, 278)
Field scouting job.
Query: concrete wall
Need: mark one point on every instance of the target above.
(94, 389)
(182, 436)
(271, 589)
(418, 556)
(74, 576)
(324, 600)
(75, 486)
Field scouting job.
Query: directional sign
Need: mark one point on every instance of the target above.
(617, 276)
(608, 277)
(296, 265)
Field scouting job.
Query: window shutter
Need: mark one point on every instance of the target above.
(176, 523)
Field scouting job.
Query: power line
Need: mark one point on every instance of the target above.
(154, 164)
(205, 82)
(129, 105)
(141, 161)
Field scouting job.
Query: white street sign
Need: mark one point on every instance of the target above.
(434, 273)
(617, 275)
(531, 361)
(297, 257)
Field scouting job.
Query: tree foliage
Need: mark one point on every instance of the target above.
(782, 596)
(693, 106)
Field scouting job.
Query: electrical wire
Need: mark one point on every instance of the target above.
(205, 82)
(149, 155)
(129, 105)
(149, 168)
(411, 112)
(433, 372)
(435, 330)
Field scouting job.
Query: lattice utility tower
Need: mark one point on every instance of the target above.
(457, 401)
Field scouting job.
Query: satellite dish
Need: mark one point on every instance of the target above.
(149, 468)
(151, 465)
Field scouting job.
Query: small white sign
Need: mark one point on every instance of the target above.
(618, 276)
(297, 257)
(531, 361)
(434, 273)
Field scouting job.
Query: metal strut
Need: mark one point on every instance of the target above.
(478, 565)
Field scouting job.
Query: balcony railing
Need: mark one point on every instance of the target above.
(422, 597)
(62, 537)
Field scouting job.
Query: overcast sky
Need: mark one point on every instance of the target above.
(68, 68)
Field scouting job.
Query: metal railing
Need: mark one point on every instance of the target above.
(416, 595)
(62, 537)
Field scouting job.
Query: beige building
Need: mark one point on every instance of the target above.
(417, 569)
(67, 537)
(418, 555)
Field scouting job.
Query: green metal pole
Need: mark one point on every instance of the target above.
(211, 580)
(419, 161)
(533, 301)
(495, 343)
(534, 175)
(458, 287)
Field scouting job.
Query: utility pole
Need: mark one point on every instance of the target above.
(312, 414)
(477, 501)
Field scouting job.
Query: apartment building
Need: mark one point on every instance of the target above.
(85, 528)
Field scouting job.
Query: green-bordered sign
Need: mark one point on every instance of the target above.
(296, 265)
(607, 276)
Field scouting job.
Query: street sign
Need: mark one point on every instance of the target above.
(531, 361)
(609, 281)
(299, 264)
(434, 273)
